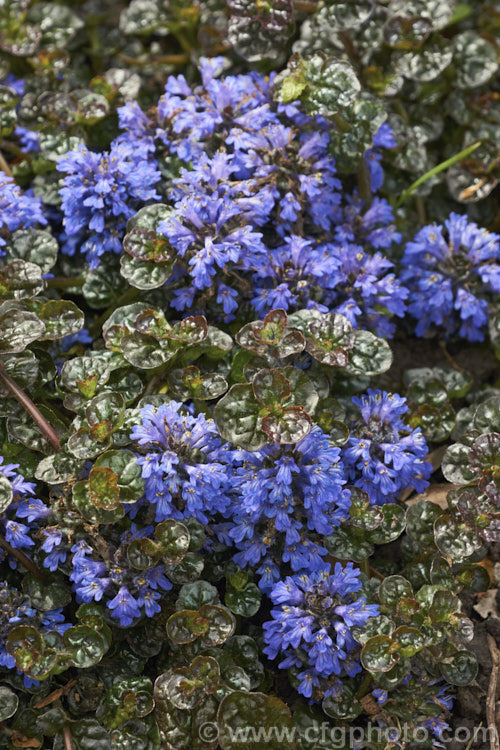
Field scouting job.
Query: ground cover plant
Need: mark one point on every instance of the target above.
(249, 344)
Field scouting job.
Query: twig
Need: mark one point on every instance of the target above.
(55, 695)
(27, 404)
(64, 283)
(23, 559)
(492, 692)
(68, 739)
(436, 170)
(4, 166)
(375, 573)
(448, 356)
(469, 744)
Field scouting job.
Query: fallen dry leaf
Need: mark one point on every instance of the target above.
(486, 606)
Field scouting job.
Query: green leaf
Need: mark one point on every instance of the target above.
(244, 602)
(143, 553)
(237, 418)
(380, 625)
(329, 339)
(106, 407)
(361, 513)
(20, 280)
(58, 469)
(409, 641)
(392, 589)
(8, 702)
(191, 383)
(195, 595)
(144, 275)
(271, 336)
(348, 543)
(376, 654)
(86, 646)
(249, 713)
(61, 318)
(474, 59)
(84, 375)
(6, 493)
(326, 85)
(22, 428)
(173, 538)
(144, 352)
(103, 285)
(370, 355)
(455, 464)
(103, 488)
(46, 596)
(18, 329)
(345, 707)
(420, 518)
(444, 604)
(123, 463)
(188, 570)
(460, 670)
(271, 388)
(487, 416)
(454, 539)
(392, 526)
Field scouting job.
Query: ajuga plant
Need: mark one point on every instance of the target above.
(248, 332)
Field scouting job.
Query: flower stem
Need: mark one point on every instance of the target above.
(4, 166)
(436, 170)
(27, 404)
(23, 559)
(68, 739)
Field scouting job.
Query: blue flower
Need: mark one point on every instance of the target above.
(312, 626)
(23, 506)
(452, 272)
(100, 193)
(364, 288)
(29, 139)
(16, 609)
(437, 726)
(281, 495)
(126, 591)
(186, 468)
(18, 210)
(212, 229)
(232, 110)
(124, 607)
(383, 456)
(383, 138)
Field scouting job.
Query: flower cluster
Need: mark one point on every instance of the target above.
(201, 262)
(128, 592)
(383, 456)
(311, 627)
(185, 467)
(100, 192)
(428, 696)
(260, 199)
(283, 495)
(18, 210)
(232, 110)
(452, 272)
(17, 609)
(18, 533)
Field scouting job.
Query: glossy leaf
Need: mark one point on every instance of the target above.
(247, 711)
